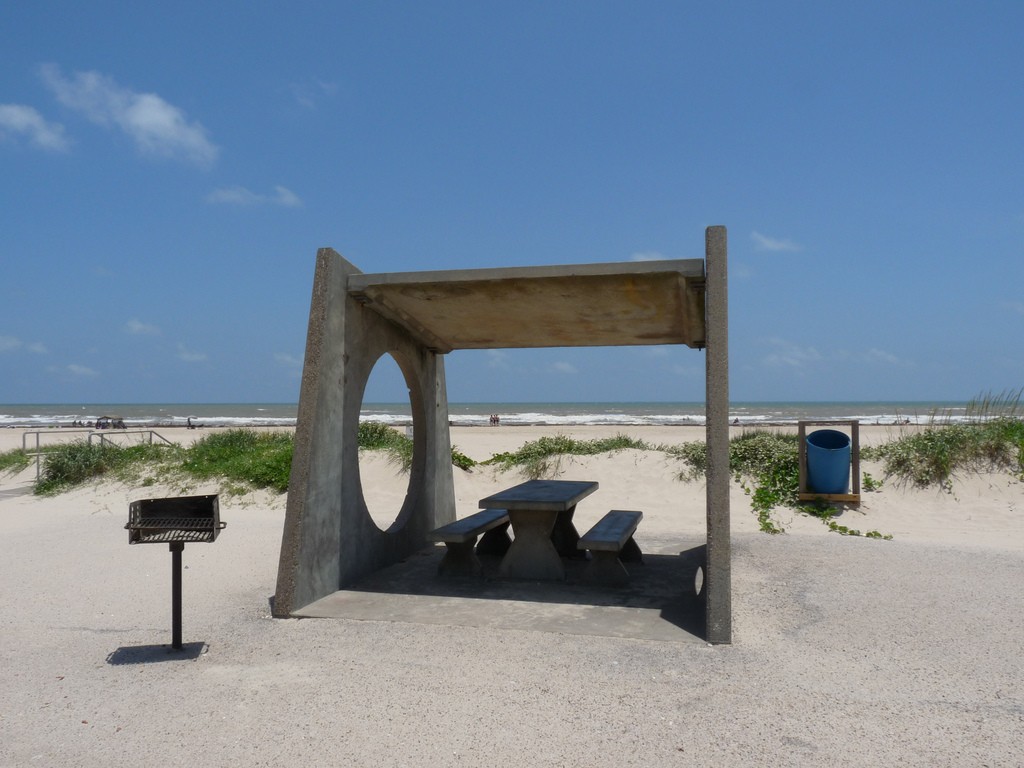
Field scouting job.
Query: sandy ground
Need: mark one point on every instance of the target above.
(847, 651)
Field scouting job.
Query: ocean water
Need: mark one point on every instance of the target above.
(479, 414)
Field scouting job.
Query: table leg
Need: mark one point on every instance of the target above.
(532, 554)
(495, 541)
(566, 537)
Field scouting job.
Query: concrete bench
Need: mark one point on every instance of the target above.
(610, 542)
(459, 538)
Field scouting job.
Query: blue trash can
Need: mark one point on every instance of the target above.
(828, 461)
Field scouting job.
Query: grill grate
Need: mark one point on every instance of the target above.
(166, 521)
(168, 529)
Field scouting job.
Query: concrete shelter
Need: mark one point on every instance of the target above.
(330, 540)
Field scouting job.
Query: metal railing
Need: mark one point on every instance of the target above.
(104, 436)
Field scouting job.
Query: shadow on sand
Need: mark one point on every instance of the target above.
(150, 654)
(660, 603)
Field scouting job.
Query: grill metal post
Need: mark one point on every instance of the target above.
(177, 547)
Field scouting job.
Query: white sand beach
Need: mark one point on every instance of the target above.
(846, 651)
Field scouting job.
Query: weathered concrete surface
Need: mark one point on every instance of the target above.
(582, 305)
(329, 539)
(718, 572)
(658, 602)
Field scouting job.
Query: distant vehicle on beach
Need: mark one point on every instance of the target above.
(110, 422)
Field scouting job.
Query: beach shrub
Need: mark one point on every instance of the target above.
(65, 466)
(377, 436)
(461, 460)
(13, 461)
(767, 466)
(259, 459)
(935, 455)
(825, 512)
(540, 458)
(694, 457)
(869, 484)
(769, 462)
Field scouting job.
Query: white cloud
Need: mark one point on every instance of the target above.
(787, 354)
(1015, 306)
(81, 370)
(311, 93)
(647, 256)
(238, 195)
(286, 197)
(288, 360)
(498, 359)
(9, 343)
(189, 356)
(563, 367)
(139, 328)
(881, 356)
(234, 196)
(16, 119)
(740, 271)
(12, 343)
(156, 126)
(765, 243)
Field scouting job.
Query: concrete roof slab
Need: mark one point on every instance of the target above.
(614, 304)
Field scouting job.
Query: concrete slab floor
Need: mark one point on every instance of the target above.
(660, 602)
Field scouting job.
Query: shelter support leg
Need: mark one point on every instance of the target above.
(718, 566)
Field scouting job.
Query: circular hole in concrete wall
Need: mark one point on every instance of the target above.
(384, 468)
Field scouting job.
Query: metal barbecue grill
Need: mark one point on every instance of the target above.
(165, 521)
(175, 522)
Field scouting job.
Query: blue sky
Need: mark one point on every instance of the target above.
(169, 170)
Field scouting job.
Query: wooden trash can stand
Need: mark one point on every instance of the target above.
(806, 493)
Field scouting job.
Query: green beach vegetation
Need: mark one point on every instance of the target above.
(243, 459)
(540, 458)
(764, 463)
(990, 439)
(13, 461)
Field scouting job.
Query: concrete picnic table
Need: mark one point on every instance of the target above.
(540, 512)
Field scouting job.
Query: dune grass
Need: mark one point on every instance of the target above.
(70, 464)
(257, 459)
(990, 438)
(935, 455)
(246, 458)
(13, 461)
(250, 458)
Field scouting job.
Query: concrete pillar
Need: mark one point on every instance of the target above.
(718, 566)
(330, 540)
